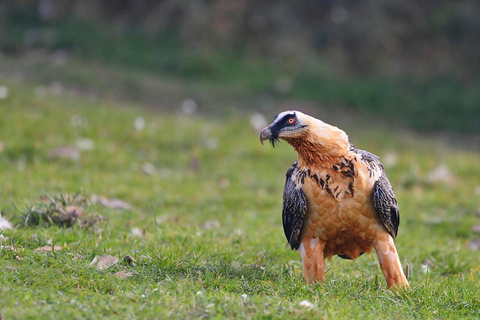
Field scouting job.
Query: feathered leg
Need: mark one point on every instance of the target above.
(390, 262)
(313, 260)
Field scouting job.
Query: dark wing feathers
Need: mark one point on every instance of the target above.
(384, 200)
(294, 209)
(386, 205)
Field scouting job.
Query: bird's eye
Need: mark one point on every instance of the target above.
(291, 121)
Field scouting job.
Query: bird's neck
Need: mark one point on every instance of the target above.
(321, 147)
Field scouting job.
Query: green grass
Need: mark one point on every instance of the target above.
(213, 244)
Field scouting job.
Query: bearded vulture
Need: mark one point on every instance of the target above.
(337, 198)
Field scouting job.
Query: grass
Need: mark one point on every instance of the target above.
(212, 244)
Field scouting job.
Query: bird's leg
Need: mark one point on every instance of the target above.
(389, 261)
(313, 260)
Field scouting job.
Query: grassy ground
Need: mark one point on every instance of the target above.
(206, 198)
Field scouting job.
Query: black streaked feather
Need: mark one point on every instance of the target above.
(386, 205)
(294, 209)
(273, 141)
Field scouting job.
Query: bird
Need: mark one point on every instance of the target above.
(337, 199)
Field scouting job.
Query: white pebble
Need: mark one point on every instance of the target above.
(139, 123)
(3, 92)
(306, 304)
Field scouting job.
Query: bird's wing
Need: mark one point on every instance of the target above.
(294, 209)
(384, 200)
(386, 205)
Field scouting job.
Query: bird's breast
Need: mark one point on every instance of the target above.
(347, 224)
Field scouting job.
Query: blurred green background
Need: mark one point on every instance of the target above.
(412, 63)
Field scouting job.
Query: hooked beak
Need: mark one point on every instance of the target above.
(265, 134)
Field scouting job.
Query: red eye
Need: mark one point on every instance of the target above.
(291, 120)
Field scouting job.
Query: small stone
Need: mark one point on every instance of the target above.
(4, 223)
(258, 122)
(139, 123)
(3, 92)
(84, 144)
(148, 168)
(306, 304)
(189, 106)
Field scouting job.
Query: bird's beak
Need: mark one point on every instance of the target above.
(265, 134)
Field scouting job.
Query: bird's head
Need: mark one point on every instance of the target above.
(314, 140)
(286, 125)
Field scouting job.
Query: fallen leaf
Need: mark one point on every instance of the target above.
(101, 263)
(122, 275)
(474, 244)
(139, 232)
(211, 224)
(67, 152)
(113, 203)
(194, 164)
(49, 248)
(476, 228)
